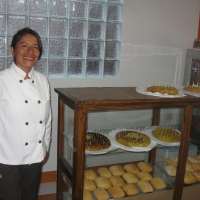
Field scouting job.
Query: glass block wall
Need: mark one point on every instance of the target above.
(81, 38)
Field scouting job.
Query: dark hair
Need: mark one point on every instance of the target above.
(22, 32)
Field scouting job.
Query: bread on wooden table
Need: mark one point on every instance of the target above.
(130, 189)
(87, 195)
(104, 172)
(145, 176)
(89, 185)
(116, 170)
(144, 166)
(158, 183)
(117, 181)
(130, 178)
(101, 194)
(116, 192)
(145, 186)
(90, 174)
(132, 168)
(103, 182)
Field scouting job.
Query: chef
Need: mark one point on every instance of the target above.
(25, 119)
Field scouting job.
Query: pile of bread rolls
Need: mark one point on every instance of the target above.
(117, 181)
(192, 173)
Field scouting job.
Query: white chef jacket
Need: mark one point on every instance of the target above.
(25, 117)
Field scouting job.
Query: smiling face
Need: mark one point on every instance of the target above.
(26, 52)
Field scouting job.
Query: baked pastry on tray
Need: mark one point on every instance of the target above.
(131, 138)
(96, 141)
(169, 90)
(193, 88)
(169, 135)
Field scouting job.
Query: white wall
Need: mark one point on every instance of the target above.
(156, 34)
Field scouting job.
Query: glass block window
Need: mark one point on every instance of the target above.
(81, 38)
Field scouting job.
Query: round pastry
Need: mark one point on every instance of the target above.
(96, 141)
(193, 88)
(167, 134)
(132, 139)
(163, 89)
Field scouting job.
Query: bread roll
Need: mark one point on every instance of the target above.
(130, 178)
(130, 189)
(103, 182)
(117, 181)
(189, 178)
(171, 170)
(116, 170)
(90, 174)
(145, 167)
(145, 186)
(145, 176)
(116, 192)
(101, 194)
(132, 168)
(158, 183)
(89, 185)
(197, 175)
(87, 195)
(104, 172)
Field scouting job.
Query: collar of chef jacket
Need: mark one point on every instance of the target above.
(29, 87)
(22, 73)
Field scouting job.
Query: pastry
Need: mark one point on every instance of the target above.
(89, 185)
(87, 195)
(103, 182)
(193, 88)
(194, 159)
(130, 189)
(158, 183)
(90, 174)
(116, 170)
(96, 142)
(145, 176)
(169, 90)
(116, 192)
(130, 178)
(101, 194)
(196, 175)
(167, 134)
(132, 168)
(189, 178)
(145, 186)
(117, 181)
(171, 170)
(145, 167)
(131, 138)
(104, 172)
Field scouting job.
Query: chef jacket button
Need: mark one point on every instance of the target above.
(20, 81)
(26, 143)
(26, 101)
(26, 123)
(40, 121)
(33, 81)
(40, 141)
(39, 101)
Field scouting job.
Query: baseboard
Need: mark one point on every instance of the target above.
(49, 176)
(47, 197)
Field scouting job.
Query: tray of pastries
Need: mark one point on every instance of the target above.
(192, 171)
(97, 143)
(166, 136)
(161, 91)
(131, 140)
(193, 89)
(121, 181)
